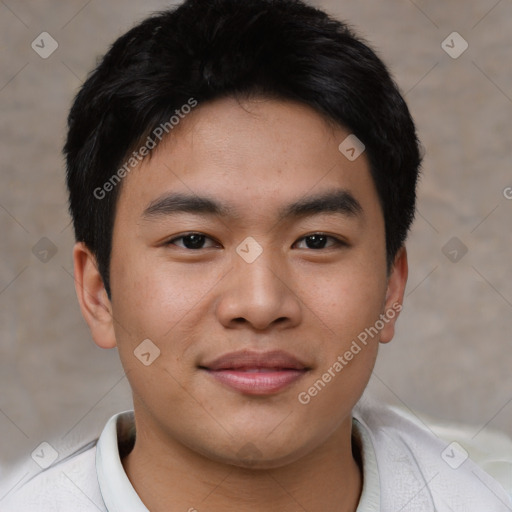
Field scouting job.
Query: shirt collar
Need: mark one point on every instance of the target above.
(115, 486)
(120, 496)
(370, 495)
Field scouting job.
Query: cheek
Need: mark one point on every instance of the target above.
(346, 299)
(159, 301)
(344, 306)
(154, 292)
(345, 309)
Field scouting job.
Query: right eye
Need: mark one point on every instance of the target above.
(192, 241)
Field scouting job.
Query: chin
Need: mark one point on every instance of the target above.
(258, 454)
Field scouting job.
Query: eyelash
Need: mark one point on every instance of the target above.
(337, 241)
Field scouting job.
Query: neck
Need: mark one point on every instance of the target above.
(169, 476)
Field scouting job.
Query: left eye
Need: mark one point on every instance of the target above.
(191, 241)
(319, 241)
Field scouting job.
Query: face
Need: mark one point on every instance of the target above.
(251, 252)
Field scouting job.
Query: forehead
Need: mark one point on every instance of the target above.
(249, 154)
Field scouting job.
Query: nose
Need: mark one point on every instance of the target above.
(259, 294)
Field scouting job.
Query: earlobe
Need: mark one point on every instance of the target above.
(93, 299)
(394, 294)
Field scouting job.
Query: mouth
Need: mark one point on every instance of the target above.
(256, 373)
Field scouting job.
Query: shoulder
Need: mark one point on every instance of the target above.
(69, 484)
(419, 469)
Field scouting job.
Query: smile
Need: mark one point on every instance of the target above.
(256, 373)
(257, 381)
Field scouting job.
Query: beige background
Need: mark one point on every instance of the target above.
(452, 355)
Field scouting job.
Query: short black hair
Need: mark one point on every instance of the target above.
(209, 49)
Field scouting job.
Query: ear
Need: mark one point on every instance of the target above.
(93, 299)
(394, 294)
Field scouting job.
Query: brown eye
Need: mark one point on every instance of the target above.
(193, 241)
(319, 241)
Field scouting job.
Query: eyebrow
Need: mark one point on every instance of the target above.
(336, 201)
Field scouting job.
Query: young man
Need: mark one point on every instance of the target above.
(242, 178)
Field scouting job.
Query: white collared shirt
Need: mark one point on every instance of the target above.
(405, 467)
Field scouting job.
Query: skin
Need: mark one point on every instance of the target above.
(197, 304)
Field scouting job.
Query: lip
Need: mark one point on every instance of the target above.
(256, 373)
